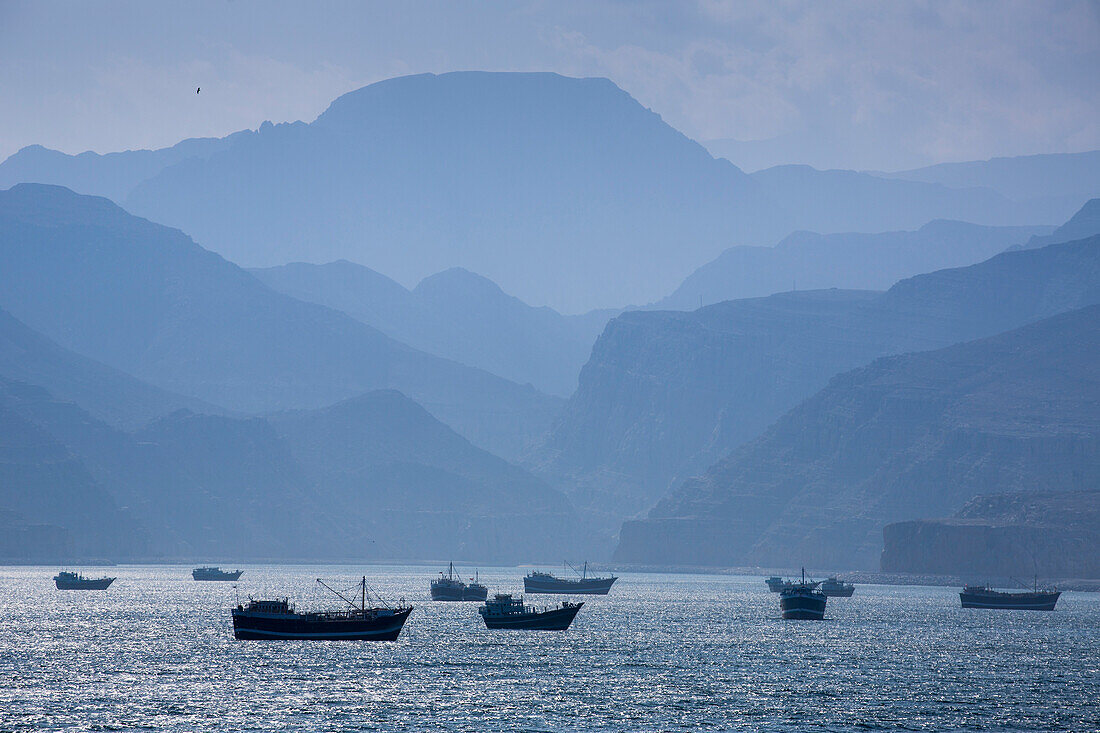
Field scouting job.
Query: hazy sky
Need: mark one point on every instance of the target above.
(867, 85)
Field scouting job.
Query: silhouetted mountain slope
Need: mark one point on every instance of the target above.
(455, 314)
(146, 299)
(108, 394)
(416, 488)
(198, 485)
(905, 437)
(112, 175)
(375, 476)
(810, 261)
(1085, 223)
(1061, 182)
(1050, 534)
(546, 185)
(666, 394)
(43, 483)
(566, 192)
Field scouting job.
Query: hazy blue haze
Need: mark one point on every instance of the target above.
(455, 314)
(909, 436)
(661, 652)
(566, 192)
(666, 393)
(852, 85)
(809, 261)
(148, 300)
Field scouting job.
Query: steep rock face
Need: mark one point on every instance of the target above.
(1085, 223)
(455, 314)
(809, 261)
(149, 301)
(666, 394)
(906, 437)
(1050, 534)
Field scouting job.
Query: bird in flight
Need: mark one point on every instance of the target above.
(198, 89)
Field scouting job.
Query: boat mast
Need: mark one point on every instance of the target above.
(340, 595)
(364, 582)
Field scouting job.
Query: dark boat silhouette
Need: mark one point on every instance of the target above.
(215, 574)
(540, 582)
(278, 619)
(778, 585)
(450, 587)
(834, 587)
(980, 596)
(65, 580)
(506, 612)
(802, 600)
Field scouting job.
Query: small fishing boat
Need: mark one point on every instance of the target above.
(982, 596)
(506, 612)
(278, 619)
(450, 587)
(802, 600)
(215, 574)
(834, 587)
(65, 580)
(589, 585)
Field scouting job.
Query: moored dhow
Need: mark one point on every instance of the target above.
(506, 612)
(450, 587)
(834, 587)
(65, 580)
(778, 585)
(540, 582)
(775, 583)
(980, 596)
(278, 619)
(215, 574)
(802, 601)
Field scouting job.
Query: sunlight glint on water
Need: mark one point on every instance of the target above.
(660, 652)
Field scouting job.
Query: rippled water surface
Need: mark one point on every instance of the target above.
(661, 652)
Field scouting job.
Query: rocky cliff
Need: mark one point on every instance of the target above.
(906, 437)
(666, 394)
(1049, 534)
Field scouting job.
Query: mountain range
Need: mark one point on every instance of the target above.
(810, 261)
(566, 192)
(455, 314)
(907, 436)
(148, 301)
(374, 476)
(1060, 182)
(666, 394)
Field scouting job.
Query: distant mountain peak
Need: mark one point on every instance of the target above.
(1082, 225)
(490, 89)
(458, 280)
(48, 204)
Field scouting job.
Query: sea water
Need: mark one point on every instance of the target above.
(660, 652)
